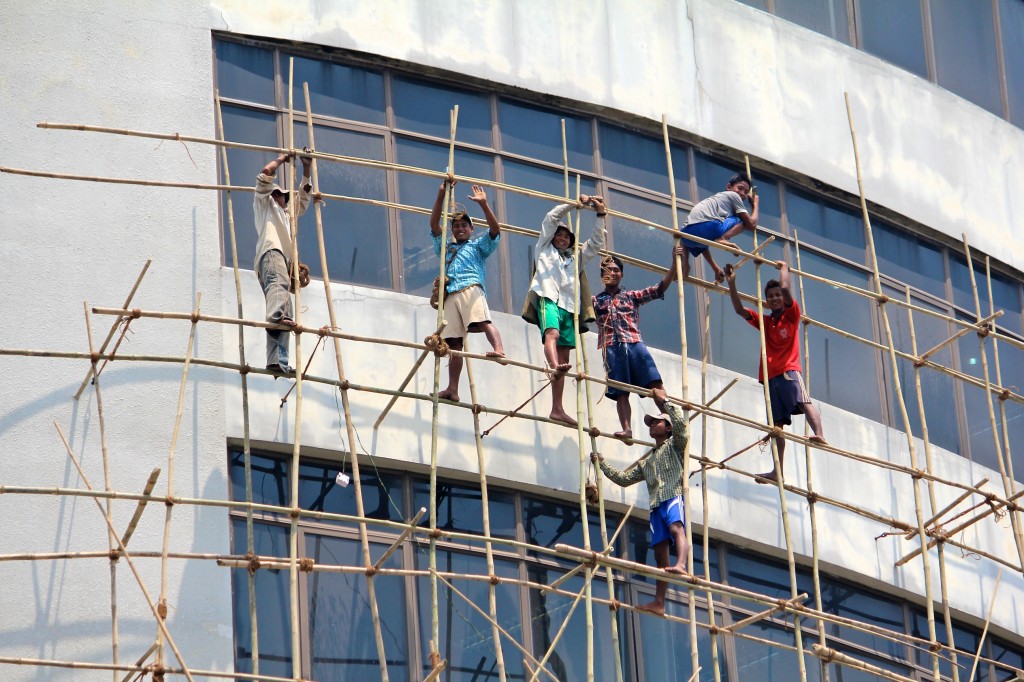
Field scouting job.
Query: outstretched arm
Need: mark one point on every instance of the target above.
(592, 246)
(734, 296)
(435, 212)
(622, 478)
(787, 296)
(480, 197)
(678, 252)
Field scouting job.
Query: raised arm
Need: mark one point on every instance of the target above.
(592, 246)
(480, 197)
(734, 296)
(787, 296)
(747, 220)
(270, 170)
(680, 427)
(435, 212)
(678, 252)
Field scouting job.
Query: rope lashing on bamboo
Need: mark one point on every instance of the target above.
(436, 345)
(254, 562)
(113, 351)
(306, 565)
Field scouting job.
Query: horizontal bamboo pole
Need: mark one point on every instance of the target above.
(401, 538)
(936, 516)
(832, 656)
(781, 606)
(146, 669)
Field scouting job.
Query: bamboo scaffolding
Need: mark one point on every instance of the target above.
(250, 541)
(757, 617)
(999, 380)
(113, 327)
(408, 377)
(984, 630)
(832, 656)
(140, 507)
(104, 453)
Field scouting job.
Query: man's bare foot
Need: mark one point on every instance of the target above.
(287, 322)
(449, 394)
(627, 433)
(817, 439)
(653, 607)
(770, 477)
(562, 367)
(562, 417)
(495, 353)
(678, 570)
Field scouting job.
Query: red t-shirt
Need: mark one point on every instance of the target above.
(781, 341)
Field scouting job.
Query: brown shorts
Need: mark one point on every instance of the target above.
(464, 311)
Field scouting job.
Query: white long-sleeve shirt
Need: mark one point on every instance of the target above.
(555, 276)
(272, 221)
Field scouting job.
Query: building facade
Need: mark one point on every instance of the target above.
(937, 149)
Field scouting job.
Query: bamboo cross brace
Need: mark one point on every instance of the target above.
(405, 382)
(832, 656)
(561, 631)
(128, 559)
(436, 672)
(400, 539)
(140, 507)
(756, 251)
(139, 661)
(936, 516)
(781, 606)
(939, 346)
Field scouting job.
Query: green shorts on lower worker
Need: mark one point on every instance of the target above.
(550, 316)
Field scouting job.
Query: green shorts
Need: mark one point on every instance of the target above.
(550, 316)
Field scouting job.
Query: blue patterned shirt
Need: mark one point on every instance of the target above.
(465, 262)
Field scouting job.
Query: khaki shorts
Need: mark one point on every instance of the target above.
(464, 311)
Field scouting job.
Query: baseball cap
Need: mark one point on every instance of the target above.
(651, 418)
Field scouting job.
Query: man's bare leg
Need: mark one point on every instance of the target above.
(682, 548)
(625, 411)
(813, 415)
(558, 359)
(494, 338)
(657, 606)
(773, 475)
(454, 372)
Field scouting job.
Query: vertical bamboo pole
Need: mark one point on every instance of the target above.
(1007, 483)
(162, 602)
(898, 390)
(293, 535)
(999, 380)
(575, 224)
(435, 626)
(815, 572)
(111, 538)
(694, 653)
(943, 585)
(705, 349)
(250, 542)
(349, 428)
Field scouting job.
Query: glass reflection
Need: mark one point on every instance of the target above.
(273, 606)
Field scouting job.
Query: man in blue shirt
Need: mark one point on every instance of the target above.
(465, 300)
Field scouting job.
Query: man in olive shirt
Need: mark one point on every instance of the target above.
(662, 470)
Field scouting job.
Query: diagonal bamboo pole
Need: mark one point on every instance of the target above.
(140, 507)
(405, 382)
(999, 381)
(942, 344)
(897, 390)
(127, 558)
(346, 407)
(984, 631)
(565, 623)
(250, 541)
(113, 327)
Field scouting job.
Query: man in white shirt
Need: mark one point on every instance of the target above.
(273, 254)
(553, 290)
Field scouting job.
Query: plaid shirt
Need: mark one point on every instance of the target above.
(663, 469)
(618, 315)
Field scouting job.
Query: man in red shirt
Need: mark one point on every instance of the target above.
(782, 347)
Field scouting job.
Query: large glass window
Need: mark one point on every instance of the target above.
(965, 51)
(460, 509)
(909, 260)
(1011, 21)
(640, 160)
(826, 226)
(245, 72)
(337, 90)
(424, 108)
(535, 132)
(828, 17)
(894, 31)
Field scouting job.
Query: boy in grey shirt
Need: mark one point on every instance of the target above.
(718, 218)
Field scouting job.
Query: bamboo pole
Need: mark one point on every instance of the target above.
(343, 385)
(999, 380)
(113, 327)
(408, 377)
(134, 670)
(984, 630)
(832, 656)
(942, 344)
(250, 541)
(897, 390)
(128, 559)
(140, 507)
(757, 617)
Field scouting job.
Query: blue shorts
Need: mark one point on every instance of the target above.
(629, 363)
(710, 230)
(663, 516)
(787, 395)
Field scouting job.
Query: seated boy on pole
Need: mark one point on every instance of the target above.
(465, 300)
(662, 471)
(719, 218)
(626, 358)
(786, 390)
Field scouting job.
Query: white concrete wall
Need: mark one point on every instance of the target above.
(718, 69)
(145, 66)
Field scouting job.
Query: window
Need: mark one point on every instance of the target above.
(245, 72)
(337, 90)
(965, 51)
(424, 108)
(640, 160)
(1011, 21)
(827, 17)
(825, 225)
(894, 32)
(532, 131)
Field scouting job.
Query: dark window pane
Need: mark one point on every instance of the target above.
(712, 177)
(659, 320)
(893, 31)
(640, 160)
(273, 606)
(1005, 297)
(844, 600)
(966, 642)
(837, 230)
(965, 51)
(1009, 655)
(548, 610)
(963, 292)
(419, 262)
(842, 372)
(666, 646)
(548, 523)
(356, 237)
(937, 388)
(537, 133)
(255, 127)
(766, 663)
(341, 636)
(765, 576)
(466, 637)
(529, 212)
(424, 108)
(640, 551)
(245, 72)
(908, 259)
(337, 90)
(734, 343)
(460, 509)
(827, 17)
(1011, 21)
(759, 4)
(382, 493)
(269, 479)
